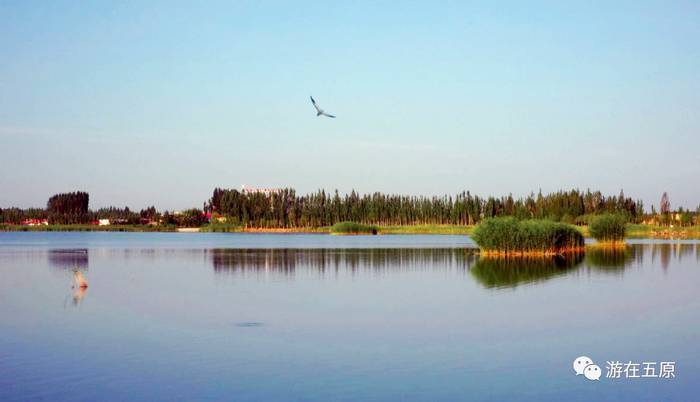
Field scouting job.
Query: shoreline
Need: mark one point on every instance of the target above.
(635, 231)
(532, 253)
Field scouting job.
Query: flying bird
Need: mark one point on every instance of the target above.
(320, 111)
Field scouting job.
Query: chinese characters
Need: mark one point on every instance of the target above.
(662, 370)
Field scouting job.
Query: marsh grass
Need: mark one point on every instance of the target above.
(353, 228)
(608, 229)
(510, 236)
(427, 229)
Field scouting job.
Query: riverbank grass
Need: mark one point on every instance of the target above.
(353, 228)
(427, 229)
(222, 227)
(512, 237)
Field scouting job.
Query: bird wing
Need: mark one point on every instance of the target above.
(329, 115)
(315, 106)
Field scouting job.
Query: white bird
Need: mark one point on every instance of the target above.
(320, 111)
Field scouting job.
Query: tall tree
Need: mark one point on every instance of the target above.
(68, 207)
(665, 205)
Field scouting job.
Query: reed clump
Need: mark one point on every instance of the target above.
(608, 229)
(510, 236)
(353, 228)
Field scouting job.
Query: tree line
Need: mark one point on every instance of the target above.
(72, 208)
(286, 209)
(68, 207)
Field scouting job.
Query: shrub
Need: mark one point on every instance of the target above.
(582, 220)
(608, 228)
(191, 218)
(221, 227)
(353, 228)
(511, 236)
(567, 218)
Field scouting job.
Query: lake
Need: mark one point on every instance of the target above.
(171, 316)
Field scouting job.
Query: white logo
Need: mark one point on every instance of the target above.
(592, 372)
(584, 365)
(617, 369)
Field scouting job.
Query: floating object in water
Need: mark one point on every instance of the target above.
(79, 279)
(249, 324)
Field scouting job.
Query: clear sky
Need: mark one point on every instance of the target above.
(144, 103)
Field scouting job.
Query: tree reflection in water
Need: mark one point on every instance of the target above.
(286, 261)
(491, 272)
(69, 258)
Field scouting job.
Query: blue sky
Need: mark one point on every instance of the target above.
(144, 103)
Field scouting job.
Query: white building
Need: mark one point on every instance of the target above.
(254, 190)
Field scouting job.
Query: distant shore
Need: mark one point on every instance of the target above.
(407, 229)
(634, 231)
(87, 228)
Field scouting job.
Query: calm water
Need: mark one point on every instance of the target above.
(315, 317)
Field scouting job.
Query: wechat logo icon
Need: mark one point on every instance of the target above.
(584, 365)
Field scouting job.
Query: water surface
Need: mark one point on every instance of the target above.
(316, 317)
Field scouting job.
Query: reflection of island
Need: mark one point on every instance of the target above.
(286, 261)
(494, 272)
(490, 272)
(610, 259)
(69, 258)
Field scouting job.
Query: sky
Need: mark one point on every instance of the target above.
(157, 103)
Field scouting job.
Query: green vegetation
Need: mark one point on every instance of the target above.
(68, 208)
(427, 229)
(510, 272)
(221, 228)
(189, 218)
(608, 228)
(512, 236)
(285, 208)
(637, 231)
(353, 228)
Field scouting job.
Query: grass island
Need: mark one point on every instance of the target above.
(509, 236)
